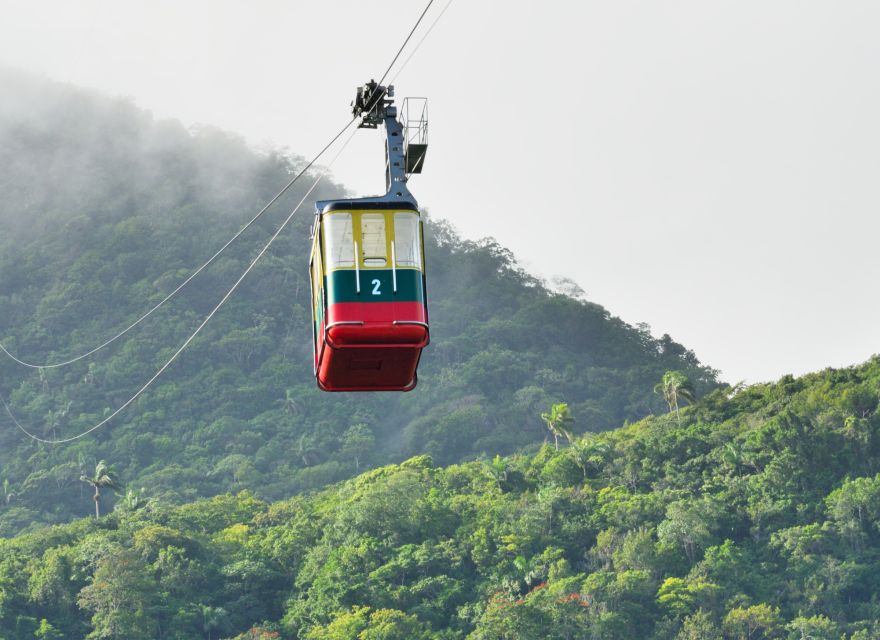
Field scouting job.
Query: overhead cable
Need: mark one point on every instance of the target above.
(403, 46)
(419, 44)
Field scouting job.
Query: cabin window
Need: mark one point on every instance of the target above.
(407, 240)
(373, 239)
(338, 240)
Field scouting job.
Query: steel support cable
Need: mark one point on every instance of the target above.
(195, 273)
(193, 334)
(403, 46)
(396, 56)
(416, 48)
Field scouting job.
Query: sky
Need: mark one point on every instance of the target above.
(708, 168)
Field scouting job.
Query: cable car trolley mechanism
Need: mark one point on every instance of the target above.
(367, 268)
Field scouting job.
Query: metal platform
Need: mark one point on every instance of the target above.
(414, 120)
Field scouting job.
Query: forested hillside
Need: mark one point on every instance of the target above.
(753, 514)
(104, 210)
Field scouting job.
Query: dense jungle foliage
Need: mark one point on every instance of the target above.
(753, 514)
(105, 210)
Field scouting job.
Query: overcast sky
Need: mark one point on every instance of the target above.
(708, 167)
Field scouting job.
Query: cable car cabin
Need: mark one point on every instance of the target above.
(368, 296)
(369, 311)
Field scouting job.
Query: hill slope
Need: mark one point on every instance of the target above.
(104, 210)
(751, 515)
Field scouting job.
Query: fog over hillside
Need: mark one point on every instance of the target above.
(105, 210)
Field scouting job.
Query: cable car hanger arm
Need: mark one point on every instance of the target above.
(375, 105)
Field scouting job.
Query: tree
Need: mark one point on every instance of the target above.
(212, 618)
(362, 623)
(497, 470)
(685, 526)
(123, 597)
(53, 582)
(674, 387)
(132, 501)
(853, 507)
(557, 422)
(391, 624)
(588, 453)
(348, 624)
(289, 403)
(258, 633)
(732, 455)
(681, 597)
(699, 626)
(753, 623)
(8, 494)
(104, 478)
(636, 552)
(510, 618)
(813, 628)
(357, 442)
(47, 632)
(54, 419)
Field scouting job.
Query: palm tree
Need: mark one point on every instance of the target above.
(289, 404)
(104, 477)
(308, 453)
(588, 452)
(675, 386)
(8, 494)
(53, 419)
(212, 618)
(732, 455)
(557, 422)
(132, 501)
(497, 470)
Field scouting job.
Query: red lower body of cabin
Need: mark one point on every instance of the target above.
(371, 346)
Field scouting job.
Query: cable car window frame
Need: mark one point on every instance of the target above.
(409, 254)
(370, 256)
(339, 238)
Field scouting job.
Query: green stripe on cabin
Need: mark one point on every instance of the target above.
(376, 286)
